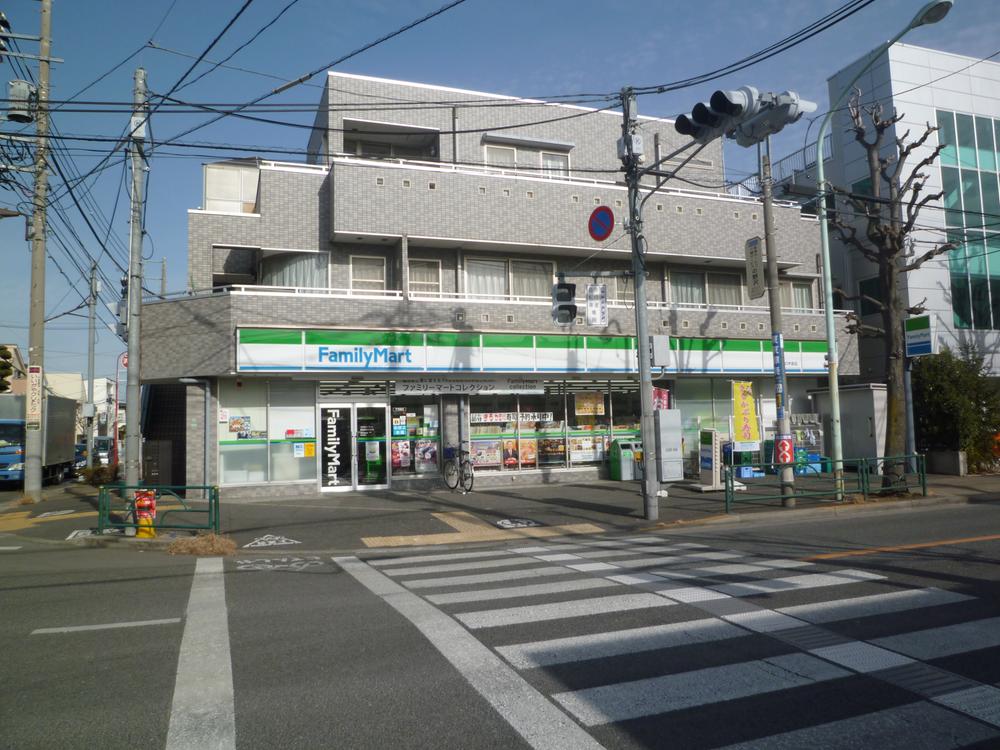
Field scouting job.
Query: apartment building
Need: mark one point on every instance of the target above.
(351, 318)
(961, 97)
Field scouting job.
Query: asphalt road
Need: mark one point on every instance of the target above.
(761, 635)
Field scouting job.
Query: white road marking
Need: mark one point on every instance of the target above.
(557, 557)
(106, 626)
(9, 549)
(508, 562)
(617, 643)
(506, 575)
(934, 643)
(53, 513)
(861, 657)
(657, 695)
(981, 702)
(782, 563)
(592, 566)
(202, 713)
(542, 725)
(492, 618)
(691, 594)
(730, 570)
(516, 592)
(762, 620)
(436, 558)
(877, 604)
(891, 729)
(797, 583)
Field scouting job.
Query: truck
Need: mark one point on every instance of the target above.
(59, 448)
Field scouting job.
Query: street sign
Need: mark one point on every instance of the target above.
(921, 335)
(784, 449)
(125, 359)
(33, 411)
(756, 284)
(601, 222)
(597, 304)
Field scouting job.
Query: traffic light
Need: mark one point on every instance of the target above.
(4, 31)
(564, 303)
(6, 368)
(744, 114)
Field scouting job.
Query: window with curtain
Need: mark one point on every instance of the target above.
(425, 276)
(486, 277)
(231, 188)
(530, 279)
(725, 289)
(303, 270)
(625, 288)
(367, 273)
(555, 165)
(501, 156)
(687, 288)
(797, 295)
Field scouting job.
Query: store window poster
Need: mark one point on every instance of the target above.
(400, 454)
(510, 454)
(426, 458)
(528, 451)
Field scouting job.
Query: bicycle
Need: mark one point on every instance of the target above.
(458, 470)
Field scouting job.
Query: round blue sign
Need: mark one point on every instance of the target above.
(602, 221)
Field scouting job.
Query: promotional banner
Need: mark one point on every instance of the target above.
(746, 426)
(589, 404)
(335, 448)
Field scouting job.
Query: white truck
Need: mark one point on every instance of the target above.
(59, 448)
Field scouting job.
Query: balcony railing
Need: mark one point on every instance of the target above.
(452, 297)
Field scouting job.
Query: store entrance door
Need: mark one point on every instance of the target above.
(353, 451)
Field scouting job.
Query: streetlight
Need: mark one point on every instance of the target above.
(931, 13)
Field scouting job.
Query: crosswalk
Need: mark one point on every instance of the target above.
(643, 638)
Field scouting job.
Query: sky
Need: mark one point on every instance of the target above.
(530, 48)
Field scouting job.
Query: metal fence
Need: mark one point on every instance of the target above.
(116, 507)
(866, 477)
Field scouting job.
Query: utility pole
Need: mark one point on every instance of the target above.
(777, 337)
(35, 438)
(630, 163)
(163, 277)
(133, 435)
(91, 345)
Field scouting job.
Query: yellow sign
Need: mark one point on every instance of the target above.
(589, 404)
(746, 426)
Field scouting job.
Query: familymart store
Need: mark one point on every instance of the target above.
(337, 410)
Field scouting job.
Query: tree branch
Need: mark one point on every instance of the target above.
(866, 298)
(932, 253)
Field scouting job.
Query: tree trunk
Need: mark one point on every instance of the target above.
(895, 401)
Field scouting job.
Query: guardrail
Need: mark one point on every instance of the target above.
(118, 499)
(867, 477)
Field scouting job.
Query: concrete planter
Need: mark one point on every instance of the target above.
(947, 462)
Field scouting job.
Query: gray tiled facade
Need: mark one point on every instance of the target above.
(451, 211)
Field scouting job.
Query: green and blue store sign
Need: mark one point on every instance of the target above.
(400, 352)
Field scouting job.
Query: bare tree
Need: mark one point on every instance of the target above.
(878, 226)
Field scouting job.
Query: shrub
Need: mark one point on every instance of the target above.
(100, 475)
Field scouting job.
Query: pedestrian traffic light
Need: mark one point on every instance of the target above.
(745, 114)
(564, 303)
(6, 369)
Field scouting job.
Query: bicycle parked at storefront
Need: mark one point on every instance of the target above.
(458, 471)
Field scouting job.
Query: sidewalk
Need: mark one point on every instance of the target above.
(392, 519)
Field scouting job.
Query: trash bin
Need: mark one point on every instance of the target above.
(623, 466)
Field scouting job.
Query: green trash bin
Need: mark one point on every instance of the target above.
(622, 467)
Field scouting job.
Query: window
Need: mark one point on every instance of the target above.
(555, 165)
(486, 277)
(231, 188)
(302, 270)
(624, 288)
(724, 289)
(498, 278)
(797, 295)
(367, 273)
(425, 276)
(501, 156)
(687, 288)
(291, 427)
(530, 279)
(866, 288)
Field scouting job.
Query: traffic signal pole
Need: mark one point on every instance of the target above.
(777, 337)
(133, 435)
(630, 162)
(91, 342)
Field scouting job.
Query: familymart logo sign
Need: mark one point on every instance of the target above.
(366, 357)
